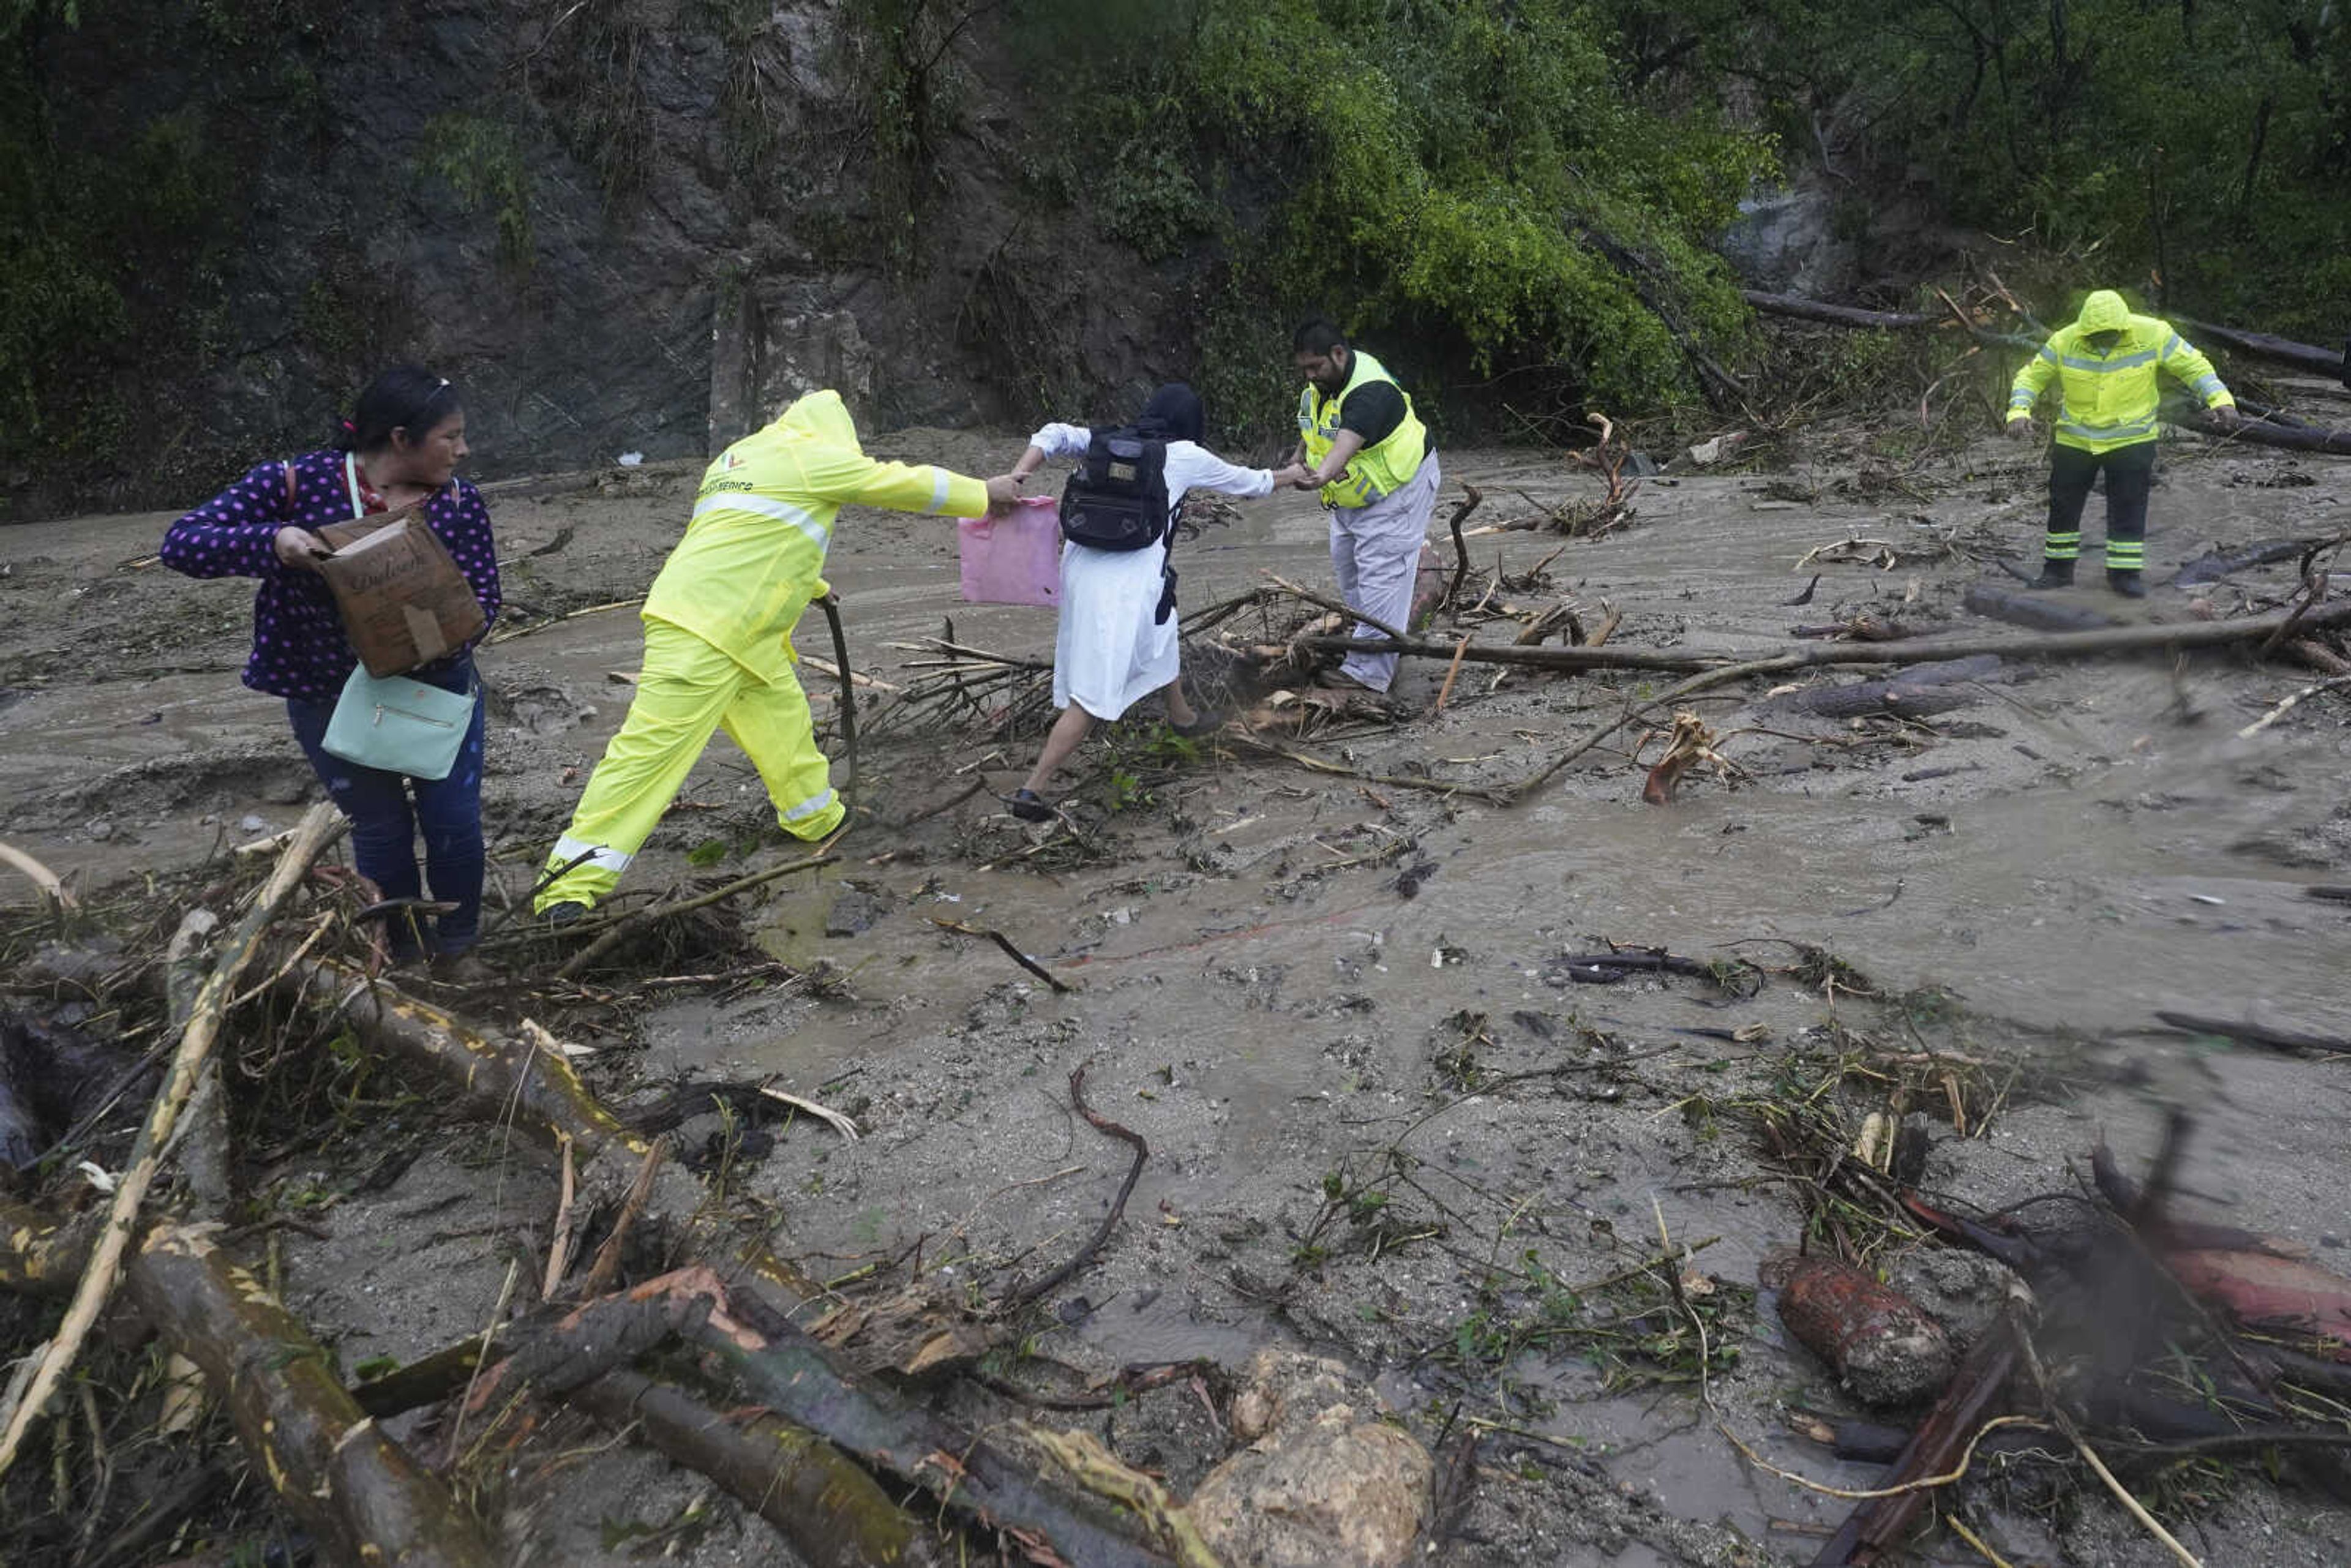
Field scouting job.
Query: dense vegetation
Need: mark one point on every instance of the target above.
(1518, 195)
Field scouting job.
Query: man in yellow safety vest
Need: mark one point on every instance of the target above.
(2106, 367)
(1370, 456)
(718, 638)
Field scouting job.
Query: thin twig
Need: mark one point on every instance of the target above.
(1011, 950)
(1054, 1280)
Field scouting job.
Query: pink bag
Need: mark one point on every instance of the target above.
(1015, 559)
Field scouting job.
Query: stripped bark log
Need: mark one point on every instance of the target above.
(360, 1493)
(318, 826)
(833, 1513)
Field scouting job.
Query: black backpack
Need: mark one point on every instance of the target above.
(1117, 499)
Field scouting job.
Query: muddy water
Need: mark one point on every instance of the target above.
(1258, 998)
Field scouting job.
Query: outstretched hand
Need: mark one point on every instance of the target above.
(1003, 493)
(2019, 429)
(2226, 417)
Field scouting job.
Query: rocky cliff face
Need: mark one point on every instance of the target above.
(619, 224)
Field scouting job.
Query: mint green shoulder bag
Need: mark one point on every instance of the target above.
(400, 724)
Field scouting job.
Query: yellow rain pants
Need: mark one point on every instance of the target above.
(689, 689)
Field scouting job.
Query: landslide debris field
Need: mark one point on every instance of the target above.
(1417, 1092)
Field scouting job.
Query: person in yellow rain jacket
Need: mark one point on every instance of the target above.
(2106, 367)
(718, 638)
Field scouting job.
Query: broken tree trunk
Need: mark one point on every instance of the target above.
(1830, 315)
(975, 1475)
(2037, 610)
(1914, 692)
(534, 1088)
(498, 1080)
(318, 825)
(2214, 565)
(2335, 443)
(2100, 641)
(359, 1492)
(2263, 345)
(833, 1513)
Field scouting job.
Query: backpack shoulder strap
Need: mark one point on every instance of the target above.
(292, 484)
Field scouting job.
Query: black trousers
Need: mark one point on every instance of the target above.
(2130, 475)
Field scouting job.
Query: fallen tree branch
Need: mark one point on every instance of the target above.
(973, 1475)
(1011, 950)
(535, 1088)
(1025, 1294)
(49, 883)
(2294, 1041)
(318, 825)
(2135, 639)
(833, 1513)
(359, 1492)
(1460, 546)
(2264, 345)
(831, 604)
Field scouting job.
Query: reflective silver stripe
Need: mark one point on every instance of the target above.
(2108, 431)
(2205, 386)
(569, 849)
(2020, 400)
(2173, 345)
(2047, 353)
(809, 807)
(782, 511)
(2100, 367)
(938, 490)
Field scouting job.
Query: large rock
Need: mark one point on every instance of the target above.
(1325, 1482)
(1786, 242)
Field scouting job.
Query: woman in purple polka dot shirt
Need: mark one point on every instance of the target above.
(401, 446)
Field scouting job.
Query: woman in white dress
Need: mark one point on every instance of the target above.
(1118, 638)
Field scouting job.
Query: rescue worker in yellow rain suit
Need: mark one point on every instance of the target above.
(718, 637)
(2106, 367)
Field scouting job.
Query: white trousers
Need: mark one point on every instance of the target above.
(1375, 554)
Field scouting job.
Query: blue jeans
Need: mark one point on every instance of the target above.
(384, 826)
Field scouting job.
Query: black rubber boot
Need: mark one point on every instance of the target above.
(2129, 584)
(2054, 574)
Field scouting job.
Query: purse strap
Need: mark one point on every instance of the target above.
(287, 465)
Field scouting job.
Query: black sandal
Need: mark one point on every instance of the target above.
(1029, 806)
(1202, 724)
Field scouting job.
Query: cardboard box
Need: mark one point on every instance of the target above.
(404, 603)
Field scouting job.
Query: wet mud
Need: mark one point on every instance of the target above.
(1382, 1110)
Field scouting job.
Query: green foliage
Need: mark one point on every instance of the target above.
(1465, 183)
(2196, 151)
(483, 161)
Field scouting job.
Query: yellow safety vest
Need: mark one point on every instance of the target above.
(2108, 401)
(753, 556)
(1377, 469)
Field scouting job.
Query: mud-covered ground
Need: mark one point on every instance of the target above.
(1385, 1122)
